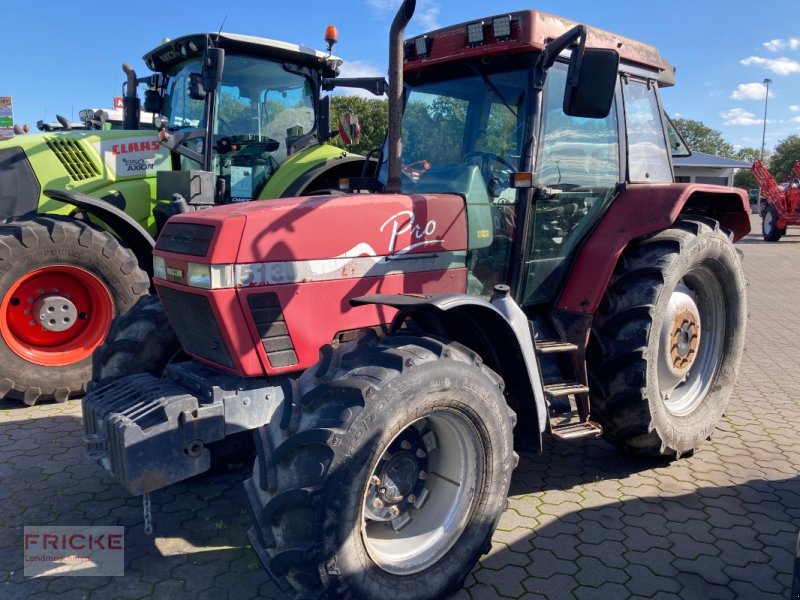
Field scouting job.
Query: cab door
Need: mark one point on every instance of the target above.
(577, 173)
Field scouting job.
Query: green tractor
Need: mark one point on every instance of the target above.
(239, 118)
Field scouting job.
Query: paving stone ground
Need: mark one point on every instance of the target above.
(584, 521)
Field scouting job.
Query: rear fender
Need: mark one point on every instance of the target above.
(299, 171)
(125, 227)
(641, 210)
(483, 328)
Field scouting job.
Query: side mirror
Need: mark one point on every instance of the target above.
(349, 129)
(591, 81)
(152, 101)
(196, 89)
(213, 63)
(324, 129)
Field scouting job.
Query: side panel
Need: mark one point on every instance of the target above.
(316, 311)
(638, 211)
(120, 165)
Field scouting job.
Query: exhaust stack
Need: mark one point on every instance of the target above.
(130, 101)
(395, 144)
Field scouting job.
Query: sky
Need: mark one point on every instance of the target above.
(62, 58)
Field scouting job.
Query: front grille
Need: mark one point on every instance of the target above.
(185, 238)
(271, 327)
(193, 321)
(74, 159)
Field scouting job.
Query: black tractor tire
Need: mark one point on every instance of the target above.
(356, 419)
(139, 341)
(769, 224)
(34, 250)
(668, 339)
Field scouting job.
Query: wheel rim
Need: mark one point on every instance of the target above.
(421, 493)
(56, 315)
(768, 222)
(691, 342)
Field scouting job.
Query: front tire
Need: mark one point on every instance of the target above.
(387, 474)
(62, 281)
(769, 225)
(668, 339)
(140, 341)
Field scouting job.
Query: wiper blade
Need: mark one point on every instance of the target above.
(493, 88)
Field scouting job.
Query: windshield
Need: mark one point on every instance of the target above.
(474, 117)
(261, 110)
(464, 132)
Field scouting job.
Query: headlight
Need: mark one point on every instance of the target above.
(159, 267)
(209, 277)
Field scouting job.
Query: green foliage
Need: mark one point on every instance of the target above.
(373, 116)
(702, 138)
(786, 153)
(744, 178)
(434, 131)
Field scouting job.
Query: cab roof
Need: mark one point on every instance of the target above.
(179, 49)
(530, 30)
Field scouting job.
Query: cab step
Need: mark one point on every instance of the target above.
(554, 346)
(574, 431)
(556, 389)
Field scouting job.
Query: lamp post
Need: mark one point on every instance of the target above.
(766, 83)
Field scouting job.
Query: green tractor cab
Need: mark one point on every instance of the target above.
(79, 209)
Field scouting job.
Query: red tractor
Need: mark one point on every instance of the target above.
(782, 206)
(544, 272)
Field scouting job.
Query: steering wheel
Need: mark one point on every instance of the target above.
(489, 156)
(496, 179)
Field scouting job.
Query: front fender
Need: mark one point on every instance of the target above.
(499, 334)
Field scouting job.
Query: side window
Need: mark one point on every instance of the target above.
(648, 159)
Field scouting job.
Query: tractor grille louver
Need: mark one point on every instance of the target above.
(74, 159)
(195, 325)
(271, 327)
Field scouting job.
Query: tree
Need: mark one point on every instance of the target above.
(702, 138)
(787, 152)
(744, 178)
(373, 117)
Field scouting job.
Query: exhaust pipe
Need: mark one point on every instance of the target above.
(130, 102)
(395, 143)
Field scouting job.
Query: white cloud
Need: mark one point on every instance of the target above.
(739, 116)
(358, 68)
(750, 91)
(777, 45)
(779, 66)
(795, 119)
(426, 16)
(794, 107)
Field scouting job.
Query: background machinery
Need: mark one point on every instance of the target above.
(543, 274)
(239, 118)
(782, 202)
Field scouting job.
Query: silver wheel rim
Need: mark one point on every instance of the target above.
(433, 475)
(691, 341)
(768, 222)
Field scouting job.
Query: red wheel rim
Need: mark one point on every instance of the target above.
(83, 307)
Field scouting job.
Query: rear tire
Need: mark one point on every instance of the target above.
(668, 339)
(769, 225)
(372, 430)
(53, 265)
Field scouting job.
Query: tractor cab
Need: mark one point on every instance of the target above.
(471, 104)
(257, 108)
